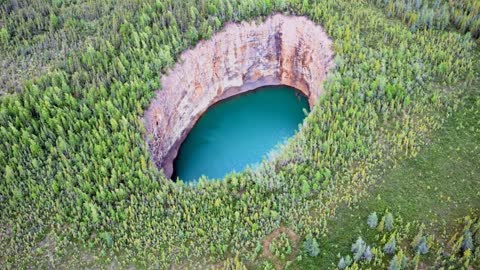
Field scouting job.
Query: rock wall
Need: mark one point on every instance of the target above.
(282, 50)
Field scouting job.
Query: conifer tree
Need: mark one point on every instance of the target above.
(390, 246)
(372, 220)
(311, 246)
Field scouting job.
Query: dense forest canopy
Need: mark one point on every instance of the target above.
(76, 177)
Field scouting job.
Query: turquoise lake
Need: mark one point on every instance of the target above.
(240, 131)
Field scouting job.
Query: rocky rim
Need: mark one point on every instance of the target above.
(282, 50)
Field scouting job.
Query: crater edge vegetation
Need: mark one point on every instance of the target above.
(77, 185)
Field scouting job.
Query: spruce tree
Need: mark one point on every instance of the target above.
(389, 222)
(311, 246)
(372, 220)
(394, 264)
(422, 247)
(389, 247)
(358, 248)
(467, 242)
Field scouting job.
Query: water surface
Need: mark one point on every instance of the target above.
(240, 131)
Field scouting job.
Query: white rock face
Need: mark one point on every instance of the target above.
(283, 50)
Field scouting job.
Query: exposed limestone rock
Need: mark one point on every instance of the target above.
(283, 50)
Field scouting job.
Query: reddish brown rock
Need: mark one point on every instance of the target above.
(283, 50)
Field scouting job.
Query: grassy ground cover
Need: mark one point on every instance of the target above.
(437, 187)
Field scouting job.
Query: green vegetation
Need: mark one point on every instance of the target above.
(425, 14)
(414, 248)
(77, 187)
(437, 188)
(311, 246)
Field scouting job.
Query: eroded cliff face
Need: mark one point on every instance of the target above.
(283, 50)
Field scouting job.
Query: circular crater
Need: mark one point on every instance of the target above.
(282, 50)
(239, 131)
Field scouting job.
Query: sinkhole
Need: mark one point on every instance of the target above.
(222, 80)
(240, 131)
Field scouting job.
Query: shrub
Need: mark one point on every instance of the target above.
(4, 36)
(268, 266)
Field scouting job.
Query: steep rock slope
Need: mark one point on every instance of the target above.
(282, 50)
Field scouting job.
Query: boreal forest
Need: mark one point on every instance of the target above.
(383, 172)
